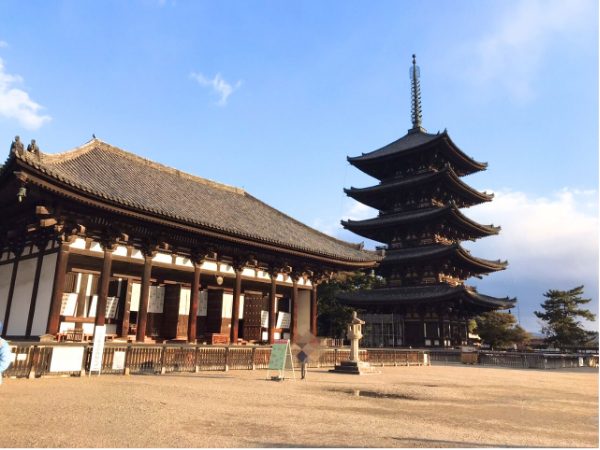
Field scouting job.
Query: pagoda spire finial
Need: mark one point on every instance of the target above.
(415, 88)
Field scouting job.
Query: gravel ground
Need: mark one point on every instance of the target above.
(436, 406)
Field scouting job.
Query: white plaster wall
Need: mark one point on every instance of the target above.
(249, 272)
(78, 243)
(19, 310)
(96, 247)
(163, 258)
(181, 261)
(5, 275)
(137, 254)
(120, 251)
(303, 311)
(44, 296)
(226, 268)
(209, 265)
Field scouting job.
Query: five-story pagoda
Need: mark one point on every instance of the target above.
(425, 301)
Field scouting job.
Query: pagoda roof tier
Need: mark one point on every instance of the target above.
(377, 196)
(434, 252)
(382, 163)
(112, 179)
(428, 294)
(379, 228)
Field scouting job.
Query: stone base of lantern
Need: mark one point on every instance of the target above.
(353, 368)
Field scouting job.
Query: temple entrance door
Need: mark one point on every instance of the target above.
(251, 327)
(412, 333)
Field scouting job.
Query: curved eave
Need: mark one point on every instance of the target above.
(371, 228)
(47, 179)
(423, 295)
(436, 252)
(374, 195)
(370, 162)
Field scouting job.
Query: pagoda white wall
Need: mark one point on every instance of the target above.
(19, 309)
(303, 311)
(44, 295)
(5, 276)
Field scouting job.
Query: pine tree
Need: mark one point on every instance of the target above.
(498, 329)
(561, 309)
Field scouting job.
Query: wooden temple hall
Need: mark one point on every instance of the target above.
(98, 236)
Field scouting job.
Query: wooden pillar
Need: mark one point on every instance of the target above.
(144, 294)
(57, 289)
(11, 288)
(193, 314)
(126, 310)
(441, 325)
(294, 312)
(272, 315)
(235, 312)
(103, 286)
(313, 309)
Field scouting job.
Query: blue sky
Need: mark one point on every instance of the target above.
(272, 96)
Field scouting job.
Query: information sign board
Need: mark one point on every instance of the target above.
(118, 360)
(66, 359)
(98, 349)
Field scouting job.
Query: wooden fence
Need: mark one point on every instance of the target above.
(35, 360)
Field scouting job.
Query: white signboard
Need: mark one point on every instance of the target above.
(118, 360)
(264, 319)
(67, 307)
(283, 320)
(136, 289)
(98, 350)
(94, 302)
(66, 359)
(227, 306)
(203, 303)
(184, 301)
(111, 307)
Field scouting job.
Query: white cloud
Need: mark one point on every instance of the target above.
(544, 238)
(221, 87)
(3, 44)
(511, 54)
(16, 104)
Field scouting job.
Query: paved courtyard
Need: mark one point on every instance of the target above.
(437, 406)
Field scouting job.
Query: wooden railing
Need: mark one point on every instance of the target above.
(35, 360)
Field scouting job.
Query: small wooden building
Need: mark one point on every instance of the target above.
(99, 236)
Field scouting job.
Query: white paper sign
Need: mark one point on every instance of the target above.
(93, 304)
(136, 289)
(111, 307)
(67, 307)
(66, 359)
(118, 360)
(98, 350)
(264, 319)
(184, 301)
(283, 320)
(227, 306)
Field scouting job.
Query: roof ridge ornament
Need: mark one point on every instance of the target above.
(415, 89)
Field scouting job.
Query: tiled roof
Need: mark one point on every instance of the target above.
(406, 142)
(409, 254)
(109, 173)
(422, 294)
